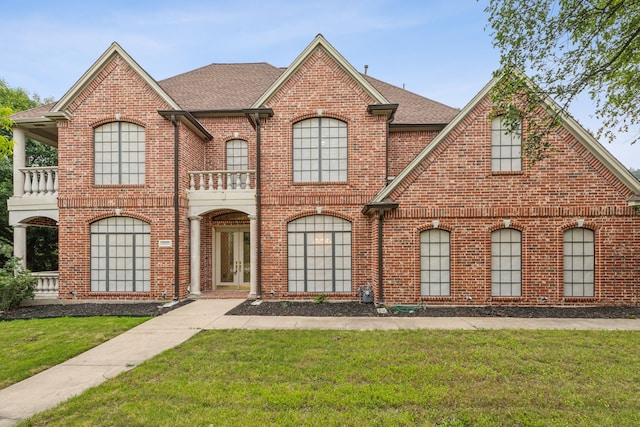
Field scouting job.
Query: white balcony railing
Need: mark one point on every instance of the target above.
(47, 286)
(222, 180)
(40, 181)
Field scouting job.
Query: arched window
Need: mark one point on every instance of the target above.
(120, 255)
(320, 150)
(119, 154)
(506, 263)
(435, 263)
(506, 147)
(319, 254)
(237, 160)
(579, 262)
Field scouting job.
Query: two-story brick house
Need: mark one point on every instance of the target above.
(316, 179)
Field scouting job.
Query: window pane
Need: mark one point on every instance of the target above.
(579, 262)
(119, 154)
(434, 262)
(320, 150)
(506, 148)
(506, 262)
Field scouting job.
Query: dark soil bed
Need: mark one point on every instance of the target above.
(338, 309)
(325, 309)
(142, 309)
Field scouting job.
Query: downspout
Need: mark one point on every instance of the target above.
(176, 207)
(380, 272)
(258, 210)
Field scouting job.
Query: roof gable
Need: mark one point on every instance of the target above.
(576, 130)
(114, 50)
(320, 42)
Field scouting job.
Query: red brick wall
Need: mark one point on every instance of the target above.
(455, 186)
(320, 83)
(119, 90)
(405, 146)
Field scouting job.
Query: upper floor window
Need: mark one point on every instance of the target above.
(506, 147)
(119, 154)
(435, 263)
(237, 160)
(320, 150)
(579, 262)
(506, 263)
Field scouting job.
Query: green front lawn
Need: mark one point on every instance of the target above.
(31, 346)
(390, 378)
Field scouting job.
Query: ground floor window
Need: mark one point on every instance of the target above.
(506, 263)
(579, 262)
(435, 263)
(120, 255)
(319, 254)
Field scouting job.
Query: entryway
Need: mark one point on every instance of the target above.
(233, 258)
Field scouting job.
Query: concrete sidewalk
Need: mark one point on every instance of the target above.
(126, 351)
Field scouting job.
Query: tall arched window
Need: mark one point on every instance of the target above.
(119, 154)
(506, 263)
(506, 147)
(579, 262)
(120, 255)
(319, 254)
(320, 150)
(237, 160)
(435, 263)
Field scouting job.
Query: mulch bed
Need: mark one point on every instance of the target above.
(356, 309)
(138, 309)
(325, 309)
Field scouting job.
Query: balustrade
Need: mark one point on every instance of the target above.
(47, 283)
(222, 180)
(40, 181)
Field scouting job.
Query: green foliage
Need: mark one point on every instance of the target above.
(319, 299)
(31, 346)
(635, 172)
(570, 47)
(16, 285)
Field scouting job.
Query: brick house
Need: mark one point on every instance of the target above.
(315, 179)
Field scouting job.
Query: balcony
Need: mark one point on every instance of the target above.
(38, 197)
(222, 189)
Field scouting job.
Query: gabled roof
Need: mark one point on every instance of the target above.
(221, 86)
(581, 135)
(96, 68)
(320, 42)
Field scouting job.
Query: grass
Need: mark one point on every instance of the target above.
(31, 346)
(350, 378)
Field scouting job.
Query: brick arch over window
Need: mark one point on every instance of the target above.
(120, 255)
(319, 254)
(124, 214)
(320, 150)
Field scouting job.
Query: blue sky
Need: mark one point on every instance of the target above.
(436, 48)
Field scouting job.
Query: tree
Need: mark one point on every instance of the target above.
(568, 48)
(42, 250)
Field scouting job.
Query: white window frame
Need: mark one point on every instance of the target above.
(578, 262)
(319, 254)
(320, 150)
(435, 262)
(120, 255)
(506, 263)
(506, 147)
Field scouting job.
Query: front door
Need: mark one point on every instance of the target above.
(233, 268)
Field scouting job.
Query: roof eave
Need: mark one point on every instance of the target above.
(188, 119)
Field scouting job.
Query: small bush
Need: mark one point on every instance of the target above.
(320, 298)
(16, 285)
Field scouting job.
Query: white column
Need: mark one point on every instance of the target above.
(20, 243)
(194, 221)
(253, 289)
(18, 161)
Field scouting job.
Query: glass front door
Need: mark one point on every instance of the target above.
(233, 258)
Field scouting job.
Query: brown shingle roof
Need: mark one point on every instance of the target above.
(413, 108)
(221, 86)
(238, 86)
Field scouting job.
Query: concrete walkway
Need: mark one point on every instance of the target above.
(124, 352)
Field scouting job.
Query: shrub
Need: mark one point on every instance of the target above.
(16, 284)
